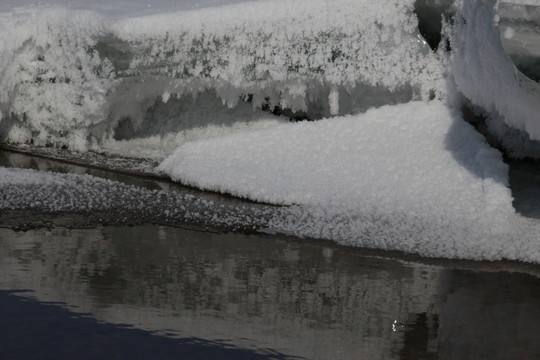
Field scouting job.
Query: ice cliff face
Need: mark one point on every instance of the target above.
(72, 77)
(81, 78)
(487, 77)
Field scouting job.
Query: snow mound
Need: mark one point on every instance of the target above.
(412, 177)
(411, 154)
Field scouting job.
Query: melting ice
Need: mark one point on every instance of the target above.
(208, 89)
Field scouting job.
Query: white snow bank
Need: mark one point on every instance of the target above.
(412, 154)
(412, 177)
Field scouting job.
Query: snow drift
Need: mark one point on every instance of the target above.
(412, 177)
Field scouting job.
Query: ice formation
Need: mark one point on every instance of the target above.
(392, 165)
(76, 74)
(486, 76)
(71, 77)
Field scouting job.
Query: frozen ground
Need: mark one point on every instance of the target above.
(391, 165)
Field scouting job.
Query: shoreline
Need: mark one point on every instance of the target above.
(26, 220)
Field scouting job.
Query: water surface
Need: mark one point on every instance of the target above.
(261, 296)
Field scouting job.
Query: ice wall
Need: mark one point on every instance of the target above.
(70, 76)
(53, 84)
(83, 75)
(488, 78)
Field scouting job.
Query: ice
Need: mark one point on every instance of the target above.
(178, 120)
(73, 74)
(521, 37)
(485, 75)
(520, 2)
(333, 101)
(52, 85)
(119, 8)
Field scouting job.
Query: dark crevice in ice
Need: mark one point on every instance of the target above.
(430, 16)
(525, 185)
(478, 120)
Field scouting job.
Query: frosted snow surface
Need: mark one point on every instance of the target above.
(39, 192)
(352, 160)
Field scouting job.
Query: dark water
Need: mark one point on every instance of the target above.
(159, 292)
(34, 330)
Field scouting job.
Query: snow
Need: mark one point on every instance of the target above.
(391, 165)
(350, 160)
(446, 196)
(42, 192)
(415, 168)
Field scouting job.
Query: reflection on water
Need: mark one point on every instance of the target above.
(260, 293)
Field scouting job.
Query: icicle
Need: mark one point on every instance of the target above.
(333, 101)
